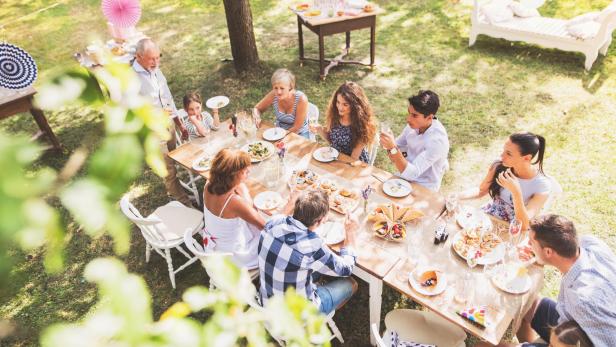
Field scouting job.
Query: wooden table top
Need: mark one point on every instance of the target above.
(8, 95)
(384, 259)
(323, 19)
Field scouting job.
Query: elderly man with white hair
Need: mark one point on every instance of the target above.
(154, 87)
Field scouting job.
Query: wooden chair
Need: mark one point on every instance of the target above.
(163, 230)
(421, 327)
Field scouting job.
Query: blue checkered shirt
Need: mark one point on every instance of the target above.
(587, 292)
(289, 255)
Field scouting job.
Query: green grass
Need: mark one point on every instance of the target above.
(487, 92)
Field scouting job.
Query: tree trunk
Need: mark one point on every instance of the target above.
(241, 34)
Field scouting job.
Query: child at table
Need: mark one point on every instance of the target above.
(198, 122)
(350, 124)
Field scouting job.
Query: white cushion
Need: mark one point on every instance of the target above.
(606, 11)
(585, 30)
(497, 11)
(583, 18)
(523, 11)
(532, 3)
(176, 218)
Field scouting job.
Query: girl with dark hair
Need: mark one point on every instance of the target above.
(350, 124)
(230, 218)
(516, 182)
(198, 122)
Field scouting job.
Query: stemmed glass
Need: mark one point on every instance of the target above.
(451, 203)
(515, 230)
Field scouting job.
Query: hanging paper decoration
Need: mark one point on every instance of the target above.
(122, 13)
(17, 68)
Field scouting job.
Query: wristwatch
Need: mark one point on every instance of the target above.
(393, 150)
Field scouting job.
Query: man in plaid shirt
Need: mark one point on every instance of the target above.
(291, 254)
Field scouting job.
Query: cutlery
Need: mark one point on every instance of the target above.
(441, 214)
(378, 178)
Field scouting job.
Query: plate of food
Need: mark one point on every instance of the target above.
(489, 246)
(303, 6)
(388, 220)
(268, 200)
(203, 163)
(219, 101)
(325, 154)
(303, 179)
(344, 200)
(512, 278)
(274, 134)
(331, 232)
(397, 187)
(327, 185)
(472, 218)
(393, 231)
(313, 13)
(259, 150)
(428, 281)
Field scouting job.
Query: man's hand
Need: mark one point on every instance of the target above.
(387, 141)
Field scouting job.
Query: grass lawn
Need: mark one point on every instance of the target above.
(487, 92)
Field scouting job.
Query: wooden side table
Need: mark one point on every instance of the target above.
(14, 102)
(336, 25)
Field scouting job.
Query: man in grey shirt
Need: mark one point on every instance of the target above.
(588, 267)
(154, 87)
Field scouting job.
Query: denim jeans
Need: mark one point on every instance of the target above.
(334, 293)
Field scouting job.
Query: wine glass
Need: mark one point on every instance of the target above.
(451, 203)
(515, 230)
(313, 121)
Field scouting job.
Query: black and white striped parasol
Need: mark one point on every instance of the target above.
(17, 68)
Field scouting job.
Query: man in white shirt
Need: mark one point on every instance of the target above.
(154, 87)
(420, 152)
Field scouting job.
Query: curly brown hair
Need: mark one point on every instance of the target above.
(363, 123)
(226, 165)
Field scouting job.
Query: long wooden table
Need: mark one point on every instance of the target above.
(379, 260)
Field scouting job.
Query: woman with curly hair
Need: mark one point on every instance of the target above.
(350, 124)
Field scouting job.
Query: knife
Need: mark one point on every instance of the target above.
(442, 212)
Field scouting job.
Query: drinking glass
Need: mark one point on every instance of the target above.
(451, 203)
(515, 230)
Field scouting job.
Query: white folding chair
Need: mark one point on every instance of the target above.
(196, 248)
(313, 111)
(373, 149)
(189, 184)
(421, 327)
(164, 228)
(555, 192)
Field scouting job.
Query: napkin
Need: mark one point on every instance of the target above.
(475, 314)
(396, 342)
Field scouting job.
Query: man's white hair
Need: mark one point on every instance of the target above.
(144, 45)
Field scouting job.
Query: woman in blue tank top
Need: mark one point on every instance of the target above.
(516, 182)
(290, 105)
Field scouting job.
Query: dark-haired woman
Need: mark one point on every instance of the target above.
(516, 182)
(350, 124)
(230, 218)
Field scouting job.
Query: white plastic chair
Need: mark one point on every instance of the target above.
(421, 327)
(164, 228)
(313, 110)
(555, 192)
(191, 183)
(196, 248)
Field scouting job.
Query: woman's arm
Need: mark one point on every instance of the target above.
(247, 212)
(261, 106)
(523, 213)
(300, 114)
(482, 190)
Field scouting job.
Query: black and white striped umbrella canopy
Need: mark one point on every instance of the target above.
(17, 68)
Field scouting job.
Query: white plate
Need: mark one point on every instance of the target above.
(268, 200)
(325, 154)
(274, 134)
(397, 187)
(201, 167)
(493, 257)
(217, 102)
(441, 285)
(331, 232)
(511, 284)
(471, 218)
(270, 147)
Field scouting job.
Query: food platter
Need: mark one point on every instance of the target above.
(259, 150)
(428, 281)
(203, 163)
(344, 200)
(389, 220)
(490, 246)
(303, 179)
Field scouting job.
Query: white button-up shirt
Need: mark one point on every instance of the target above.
(426, 154)
(154, 87)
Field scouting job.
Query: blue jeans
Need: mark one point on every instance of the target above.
(334, 293)
(545, 318)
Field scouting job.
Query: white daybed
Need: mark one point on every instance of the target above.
(546, 32)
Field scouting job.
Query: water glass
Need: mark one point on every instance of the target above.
(515, 231)
(451, 203)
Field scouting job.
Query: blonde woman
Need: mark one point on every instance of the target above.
(350, 124)
(290, 105)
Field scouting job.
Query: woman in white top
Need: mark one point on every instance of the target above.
(516, 183)
(230, 218)
(198, 123)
